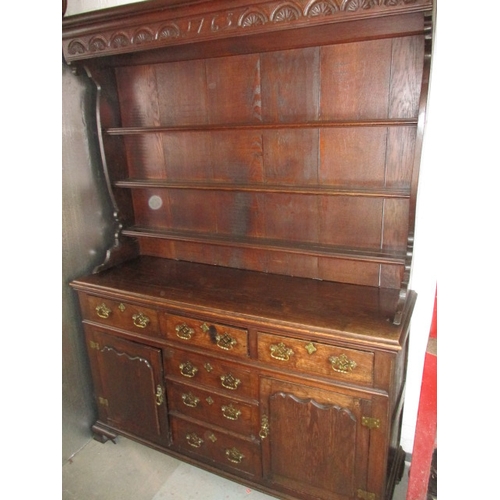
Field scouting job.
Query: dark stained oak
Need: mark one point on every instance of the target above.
(261, 157)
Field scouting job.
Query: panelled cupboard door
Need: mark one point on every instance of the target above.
(313, 442)
(128, 385)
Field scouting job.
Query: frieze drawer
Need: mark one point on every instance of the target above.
(230, 414)
(228, 451)
(122, 315)
(347, 365)
(199, 333)
(211, 372)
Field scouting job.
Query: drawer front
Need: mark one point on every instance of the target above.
(213, 336)
(122, 315)
(213, 408)
(347, 365)
(210, 372)
(229, 452)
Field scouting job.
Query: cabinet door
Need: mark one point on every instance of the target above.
(128, 385)
(313, 441)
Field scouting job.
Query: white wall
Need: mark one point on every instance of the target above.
(80, 6)
(423, 279)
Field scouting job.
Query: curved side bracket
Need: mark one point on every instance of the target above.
(106, 115)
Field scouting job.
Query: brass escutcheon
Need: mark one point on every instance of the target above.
(310, 348)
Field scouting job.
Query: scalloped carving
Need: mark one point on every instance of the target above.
(76, 47)
(252, 19)
(322, 8)
(143, 35)
(214, 24)
(97, 44)
(354, 5)
(286, 13)
(119, 40)
(170, 30)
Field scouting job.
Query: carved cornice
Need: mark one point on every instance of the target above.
(143, 29)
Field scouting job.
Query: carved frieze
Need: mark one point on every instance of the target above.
(171, 28)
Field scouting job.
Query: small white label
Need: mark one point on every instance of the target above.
(155, 202)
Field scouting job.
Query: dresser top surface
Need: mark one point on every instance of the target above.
(352, 312)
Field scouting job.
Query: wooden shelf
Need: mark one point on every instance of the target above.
(302, 248)
(262, 126)
(379, 192)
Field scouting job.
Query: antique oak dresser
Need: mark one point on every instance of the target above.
(261, 156)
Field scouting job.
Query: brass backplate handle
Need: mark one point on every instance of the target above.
(226, 342)
(281, 352)
(190, 400)
(184, 332)
(103, 311)
(234, 455)
(188, 369)
(342, 363)
(140, 320)
(194, 440)
(230, 412)
(230, 382)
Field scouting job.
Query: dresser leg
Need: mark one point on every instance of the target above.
(103, 435)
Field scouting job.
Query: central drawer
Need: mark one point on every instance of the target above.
(211, 407)
(227, 451)
(231, 378)
(216, 337)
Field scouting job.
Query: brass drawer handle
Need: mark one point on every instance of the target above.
(188, 369)
(230, 382)
(230, 412)
(225, 342)
(190, 400)
(281, 352)
(103, 311)
(159, 395)
(140, 320)
(184, 332)
(234, 455)
(194, 440)
(342, 364)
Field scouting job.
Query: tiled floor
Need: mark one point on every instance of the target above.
(129, 471)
